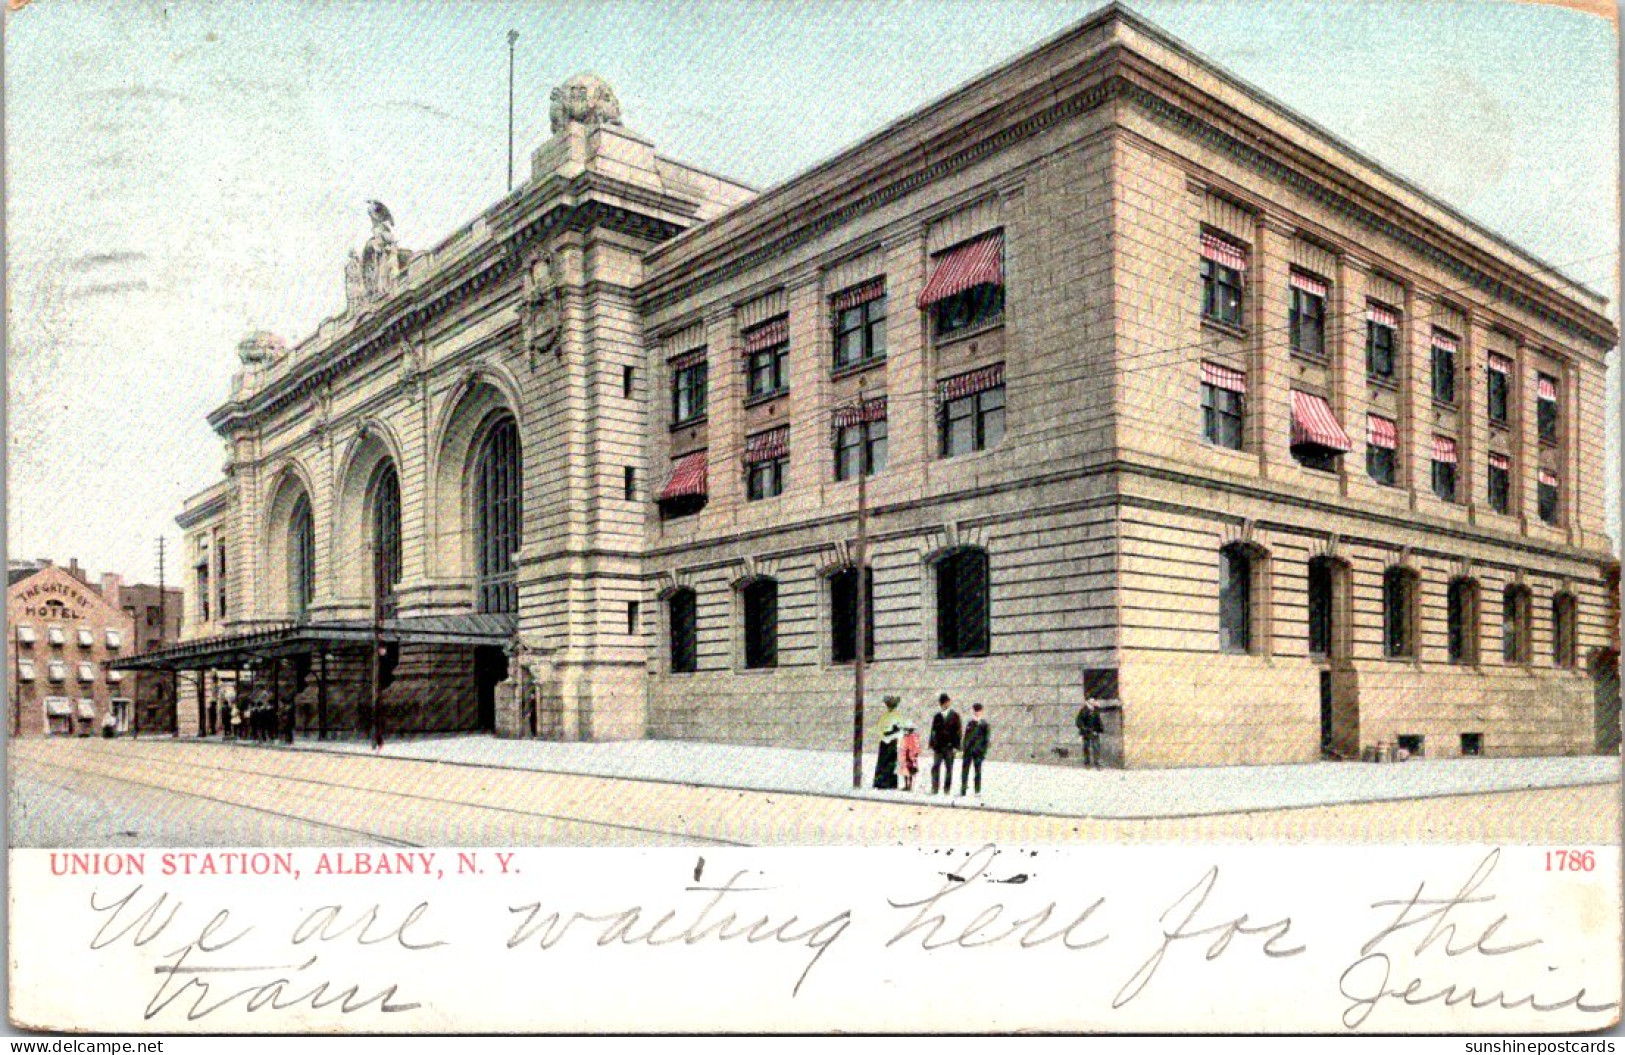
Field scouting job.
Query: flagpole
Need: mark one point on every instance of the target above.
(513, 38)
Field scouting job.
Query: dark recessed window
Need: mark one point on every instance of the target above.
(681, 614)
(966, 288)
(1472, 744)
(629, 483)
(1307, 320)
(1444, 468)
(1322, 601)
(1546, 408)
(973, 423)
(1565, 629)
(975, 307)
(962, 604)
(496, 517)
(1381, 332)
(1461, 621)
(859, 320)
(767, 360)
(1546, 495)
(1381, 449)
(767, 462)
(843, 623)
(301, 558)
(1224, 265)
(1500, 483)
(760, 599)
(1399, 613)
(688, 388)
(386, 537)
(1444, 368)
(634, 613)
(1498, 387)
(1235, 599)
(1515, 625)
(1224, 405)
(628, 380)
(863, 445)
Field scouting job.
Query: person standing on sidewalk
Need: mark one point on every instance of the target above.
(945, 734)
(978, 737)
(1090, 727)
(891, 730)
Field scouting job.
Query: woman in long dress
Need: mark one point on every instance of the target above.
(891, 731)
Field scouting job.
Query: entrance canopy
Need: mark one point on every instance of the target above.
(287, 639)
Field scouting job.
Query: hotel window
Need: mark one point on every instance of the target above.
(1399, 613)
(115, 640)
(1317, 438)
(1444, 468)
(685, 490)
(688, 385)
(1381, 449)
(301, 557)
(1224, 405)
(843, 611)
(220, 582)
(767, 359)
(1444, 367)
(25, 635)
(859, 319)
(1498, 387)
(1224, 267)
(861, 439)
(966, 288)
(25, 670)
(962, 604)
(760, 598)
(1381, 335)
(86, 638)
(55, 636)
(57, 670)
(497, 511)
(767, 462)
(1515, 629)
(1308, 315)
(1565, 625)
(1546, 496)
(1235, 599)
(682, 618)
(87, 673)
(1500, 482)
(386, 537)
(971, 411)
(1461, 621)
(114, 677)
(1546, 408)
(201, 575)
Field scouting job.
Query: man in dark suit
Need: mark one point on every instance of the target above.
(945, 733)
(978, 737)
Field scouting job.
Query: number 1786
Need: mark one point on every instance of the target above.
(1570, 860)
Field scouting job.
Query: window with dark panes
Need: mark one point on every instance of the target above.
(496, 517)
(1235, 600)
(1381, 449)
(1546, 408)
(860, 330)
(760, 598)
(969, 309)
(973, 423)
(1307, 320)
(688, 391)
(1497, 380)
(1565, 621)
(862, 445)
(1444, 468)
(1546, 496)
(1461, 621)
(843, 622)
(962, 604)
(1444, 371)
(386, 537)
(1380, 338)
(1500, 482)
(1224, 266)
(1515, 628)
(683, 625)
(301, 555)
(220, 581)
(1398, 613)
(769, 371)
(765, 479)
(203, 593)
(1322, 598)
(1223, 415)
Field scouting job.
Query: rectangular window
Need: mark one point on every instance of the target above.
(1546, 408)
(860, 445)
(1444, 368)
(843, 623)
(689, 377)
(1546, 495)
(25, 669)
(974, 308)
(1224, 399)
(859, 319)
(87, 673)
(1235, 600)
(1308, 316)
(55, 635)
(767, 359)
(761, 601)
(629, 483)
(1398, 613)
(1472, 744)
(767, 460)
(115, 640)
(974, 423)
(633, 616)
(628, 379)
(57, 670)
(1381, 449)
(966, 288)
(1224, 263)
(1500, 483)
(1497, 380)
(1381, 330)
(86, 640)
(682, 611)
(963, 602)
(1444, 468)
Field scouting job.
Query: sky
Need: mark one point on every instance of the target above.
(177, 175)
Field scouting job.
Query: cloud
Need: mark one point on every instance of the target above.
(99, 289)
(436, 112)
(91, 261)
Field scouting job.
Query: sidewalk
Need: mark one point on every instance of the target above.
(1015, 787)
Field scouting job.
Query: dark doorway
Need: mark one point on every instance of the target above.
(1326, 714)
(490, 668)
(1321, 608)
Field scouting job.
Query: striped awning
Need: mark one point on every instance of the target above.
(969, 384)
(686, 360)
(688, 477)
(874, 289)
(1500, 363)
(1546, 387)
(1548, 478)
(1444, 450)
(1310, 284)
(978, 263)
(1223, 251)
(1313, 423)
(1382, 314)
(1445, 341)
(871, 410)
(1500, 461)
(1224, 377)
(1381, 432)
(775, 331)
(766, 446)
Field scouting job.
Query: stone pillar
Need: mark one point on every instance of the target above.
(725, 414)
(1269, 365)
(1349, 389)
(1472, 390)
(1415, 395)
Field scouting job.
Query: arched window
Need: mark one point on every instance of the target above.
(1565, 625)
(386, 536)
(962, 604)
(761, 602)
(682, 617)
(1399, 613)
(1235, 599)
(496, 516)
(843, 615)
(301, 556)
(1515, 628)
(1461, 621)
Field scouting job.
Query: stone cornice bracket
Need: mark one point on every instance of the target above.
(1195, 185)
(837, 558)
(1275, 225)
(669, 582)
(1461, 568)
(1405, 558)
(1355, 263)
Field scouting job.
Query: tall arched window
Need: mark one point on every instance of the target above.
(1461, 621)
(843, 615)
(386, 536)
(1322, 605)
(1515, 625)
(496, 517)
(301, 556)
(1235, 599)
(1565, 637)
(761, 602)
(1399, 613)
(962, 604)
(682, 615)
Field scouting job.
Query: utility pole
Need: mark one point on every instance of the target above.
(860, 561)
(513, 38)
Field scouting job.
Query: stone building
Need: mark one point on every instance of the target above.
(1165, 397)
(62, 635)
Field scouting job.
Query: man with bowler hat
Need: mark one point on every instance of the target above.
(945, 733)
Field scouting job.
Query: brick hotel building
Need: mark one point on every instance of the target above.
(1167, 397)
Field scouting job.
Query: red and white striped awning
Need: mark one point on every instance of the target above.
(1548, 478)
(1382, 314)
(874, 289)
(1318, 287)
(1445, 341)
(766, 446)
(773, 332)
(688, 477)
(978, 263)
(1444, 450)
(1381, 432)
(969, 384)
(872, 410)
(1314, 423)
(1500, 461)
(1546, 387)
(1222, 251)
(1224, 377)
(1500, 363)
(686, 360)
